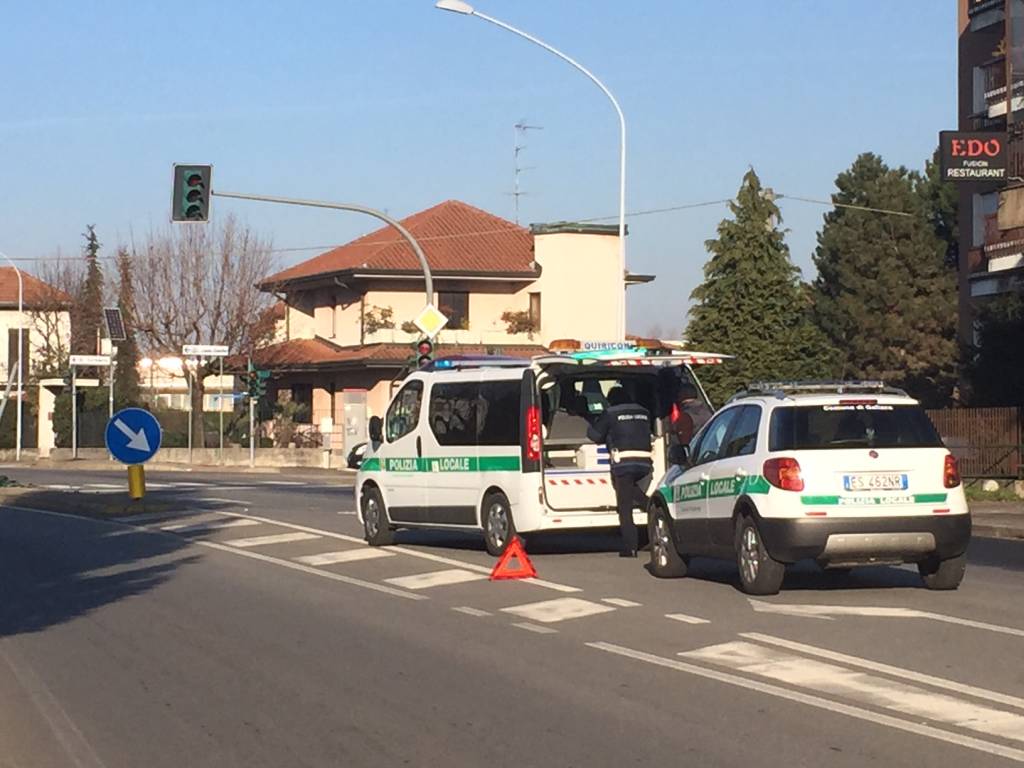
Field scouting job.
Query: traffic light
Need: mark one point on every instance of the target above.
(190, 200)
(256, 383)
(424, 352)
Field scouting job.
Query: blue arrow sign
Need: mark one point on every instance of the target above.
(133, 436)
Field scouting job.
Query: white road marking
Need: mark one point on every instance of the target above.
(241, 502)
(434, 579)
(471, 611)
(818, 702)
(329, 575)
(58, 487)
(158, 485)
(404, 551)
(620, 602)
(686, 619)
(887, 669)
(828, 611)
(184, 484)
(148, 517)
(344, 556)
(560, 609)
(105, 485)
(534, 628)
(860, 687)
(275, 538)
(208, 525)
(281, 482)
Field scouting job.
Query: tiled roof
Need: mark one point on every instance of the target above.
(320, 353)
(455, 236)
(35, 292)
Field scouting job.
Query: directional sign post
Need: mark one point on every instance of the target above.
(133, 438)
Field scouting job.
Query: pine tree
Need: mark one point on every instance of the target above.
(941, 201)
(885, 296)
(87, 313)
(126, 383)
(752, 303)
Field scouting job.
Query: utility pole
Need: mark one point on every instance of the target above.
(110, 383)
(74, 411)
(252, 418)
(518, 146)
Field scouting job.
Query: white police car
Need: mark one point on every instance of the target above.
(846, 474)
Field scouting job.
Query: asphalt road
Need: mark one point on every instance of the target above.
(249, 625)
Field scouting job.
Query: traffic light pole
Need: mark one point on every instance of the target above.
(428, 279)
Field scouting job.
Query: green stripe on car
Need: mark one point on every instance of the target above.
(866, 501)
(713, 489)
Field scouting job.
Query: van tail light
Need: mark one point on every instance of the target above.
(674, 413)
(783, 473)
(950, 472)
(533, 433)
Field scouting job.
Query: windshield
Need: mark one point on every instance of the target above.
(824, 427)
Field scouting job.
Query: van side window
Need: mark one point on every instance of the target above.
(498, 416)
(404, 412)
(453, 412)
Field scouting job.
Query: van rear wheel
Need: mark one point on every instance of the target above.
(760, 573)
(496, 517)
(376, 527)
(943, 574)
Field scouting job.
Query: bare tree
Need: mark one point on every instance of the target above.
(196, 284)
(48, 314)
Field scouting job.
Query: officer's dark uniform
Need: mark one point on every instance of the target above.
(626, 429)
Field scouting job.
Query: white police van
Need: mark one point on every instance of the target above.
(845, 473)
(500, 444)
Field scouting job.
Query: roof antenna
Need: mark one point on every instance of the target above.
(517, 147)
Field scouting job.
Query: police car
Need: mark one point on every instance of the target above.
(846, 474)
(500, 445)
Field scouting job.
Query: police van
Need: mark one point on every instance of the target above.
(500, 445)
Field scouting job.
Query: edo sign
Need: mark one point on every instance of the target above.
(972, 156)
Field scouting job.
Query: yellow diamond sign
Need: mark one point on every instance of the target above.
(430, 320)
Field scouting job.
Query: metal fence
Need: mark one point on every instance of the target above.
(986, 441)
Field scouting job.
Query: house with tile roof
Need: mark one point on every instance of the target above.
(46, 324)
(506, 290)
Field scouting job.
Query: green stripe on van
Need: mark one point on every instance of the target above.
(866, 501)
(443, 464)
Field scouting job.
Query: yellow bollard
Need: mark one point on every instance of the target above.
(136, 481)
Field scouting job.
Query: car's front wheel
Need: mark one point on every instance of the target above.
(760, 574)
(666, 562)
(943, 574)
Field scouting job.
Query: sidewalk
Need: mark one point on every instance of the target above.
(998, 519)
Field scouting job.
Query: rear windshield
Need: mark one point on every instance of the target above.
(823, 427)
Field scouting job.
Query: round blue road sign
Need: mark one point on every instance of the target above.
(133, 436)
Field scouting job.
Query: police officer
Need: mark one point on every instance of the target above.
(625, 428)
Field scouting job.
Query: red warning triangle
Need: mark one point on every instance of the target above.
(523, 568)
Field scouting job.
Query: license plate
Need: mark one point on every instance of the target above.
(875, 481)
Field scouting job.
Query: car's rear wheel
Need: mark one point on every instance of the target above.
(496, 516)
(943, 574)
(666, 562)
(760, 574)
(376, 528)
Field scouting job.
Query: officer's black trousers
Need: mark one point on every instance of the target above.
(628, 495)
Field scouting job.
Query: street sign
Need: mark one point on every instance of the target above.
(132, 436)
(90, 360)
(115, 324)
(205, 350)
(430, 320)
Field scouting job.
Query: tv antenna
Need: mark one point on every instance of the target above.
(517, 147)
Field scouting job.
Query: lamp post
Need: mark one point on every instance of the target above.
(21, 353)
(458, 6)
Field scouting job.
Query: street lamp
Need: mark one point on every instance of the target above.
(457, 6)
(21, 353)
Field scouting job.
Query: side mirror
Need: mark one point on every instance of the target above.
(679, 454)
(376, 429)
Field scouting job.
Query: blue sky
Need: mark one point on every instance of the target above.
(394, 104)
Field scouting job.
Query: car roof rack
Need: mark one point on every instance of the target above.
(781, 389)
(464, 362)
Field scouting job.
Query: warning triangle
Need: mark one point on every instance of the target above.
(522, 569)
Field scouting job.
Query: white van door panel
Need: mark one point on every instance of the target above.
(401, 462)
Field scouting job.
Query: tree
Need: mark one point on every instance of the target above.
(197, 285)
(885, 296)
(126, 372)
(996, 369)
(752, 303)
(49, 316)
(941, 201)
(87, 311)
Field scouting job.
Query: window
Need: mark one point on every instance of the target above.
(709, 442)
(302, 395)
(825, 427)
(535, 311)
(498, 417)
(404, 412)
(455, 306)
(12, 351)
(744, 434)
(453, 412)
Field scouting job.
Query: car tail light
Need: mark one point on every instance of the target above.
(533, 433)
(950, 472)
(783, 473)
